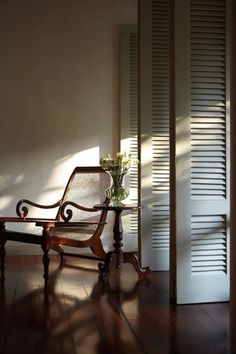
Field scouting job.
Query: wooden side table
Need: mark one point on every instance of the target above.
(118, 256)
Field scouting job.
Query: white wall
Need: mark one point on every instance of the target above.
(59, 92)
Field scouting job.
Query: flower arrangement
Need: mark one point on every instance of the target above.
(117, 166)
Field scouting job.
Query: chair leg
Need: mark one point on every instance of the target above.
(46, 260)
(45, 247)
(2, 259)
(59, 250)
(97, 248)
(2, 251)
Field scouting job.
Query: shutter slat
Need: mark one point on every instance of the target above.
(208, 243)
(207, 107)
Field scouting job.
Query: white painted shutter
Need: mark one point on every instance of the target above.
(202, 151)
(154, 131)
(129, 125)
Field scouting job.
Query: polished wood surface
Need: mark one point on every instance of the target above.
(116, 257)
(77, 314)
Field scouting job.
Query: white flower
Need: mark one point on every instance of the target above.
(119, 164)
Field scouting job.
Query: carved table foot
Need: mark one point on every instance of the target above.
(115, 259)
(129, 257)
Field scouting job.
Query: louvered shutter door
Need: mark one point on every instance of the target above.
(154, 131)
(129, 125)
(202, 151)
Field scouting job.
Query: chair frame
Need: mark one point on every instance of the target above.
(46, 240)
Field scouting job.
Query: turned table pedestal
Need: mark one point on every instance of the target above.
(116, 257)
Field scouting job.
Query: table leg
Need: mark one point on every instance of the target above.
(129, 257)
(117, 257)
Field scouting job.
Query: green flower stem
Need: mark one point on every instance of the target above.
(117, 191)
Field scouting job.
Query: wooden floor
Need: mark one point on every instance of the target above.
(77, 314)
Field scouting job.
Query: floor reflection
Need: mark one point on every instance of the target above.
(77, 314)
(61, 318)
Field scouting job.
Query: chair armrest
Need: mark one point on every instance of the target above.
(22, 211)
(16, 219)
(69, 211)
(51, 223)
(48, 222)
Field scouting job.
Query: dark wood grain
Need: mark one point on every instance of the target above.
(78, 314)
(54, 232)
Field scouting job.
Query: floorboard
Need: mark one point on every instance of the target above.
(77, 314)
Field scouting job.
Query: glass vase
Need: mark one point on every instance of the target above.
(117, 190)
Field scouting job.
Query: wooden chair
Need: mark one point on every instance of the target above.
(76, 224)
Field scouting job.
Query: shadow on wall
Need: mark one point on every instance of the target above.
(47, 191)
(58, 92)
(43, 188)
(55, 95)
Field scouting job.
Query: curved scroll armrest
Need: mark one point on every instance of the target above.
(22, 211)
(69, 211)
(77, 206)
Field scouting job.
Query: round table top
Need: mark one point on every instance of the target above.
(115, 207)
